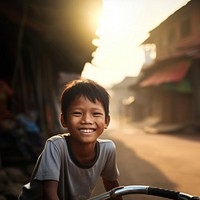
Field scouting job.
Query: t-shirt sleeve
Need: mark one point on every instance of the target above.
(49, 166)
(110, 171)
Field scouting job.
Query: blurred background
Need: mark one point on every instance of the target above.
(145, 53)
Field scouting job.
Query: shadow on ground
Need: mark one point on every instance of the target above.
(136, 171)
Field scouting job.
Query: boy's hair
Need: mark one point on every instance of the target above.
(87, 88)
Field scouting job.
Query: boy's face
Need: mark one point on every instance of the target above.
(85, 120)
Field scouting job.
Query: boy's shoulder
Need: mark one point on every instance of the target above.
(104, 140)
(106, 143)
(56, 137)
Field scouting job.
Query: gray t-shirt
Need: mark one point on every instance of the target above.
(76, 182)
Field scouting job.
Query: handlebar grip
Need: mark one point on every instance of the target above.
(163, 193)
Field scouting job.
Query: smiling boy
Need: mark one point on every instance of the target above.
(70, 164)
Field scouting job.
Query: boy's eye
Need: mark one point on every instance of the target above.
(76, 114)
(96, 114)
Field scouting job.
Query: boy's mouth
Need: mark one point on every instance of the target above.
(89, 130)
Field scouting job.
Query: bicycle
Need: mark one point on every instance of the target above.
(146, 190)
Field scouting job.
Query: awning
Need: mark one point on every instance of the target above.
(172, 73)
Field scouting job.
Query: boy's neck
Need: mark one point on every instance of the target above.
(84, 154)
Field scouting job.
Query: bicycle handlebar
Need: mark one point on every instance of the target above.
(147, 190)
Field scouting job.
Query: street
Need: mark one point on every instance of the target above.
(168, 161)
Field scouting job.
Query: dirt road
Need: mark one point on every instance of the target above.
(169, 161)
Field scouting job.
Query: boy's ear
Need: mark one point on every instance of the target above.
(107, 122)
(63, 121)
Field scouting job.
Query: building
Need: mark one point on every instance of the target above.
(169, 83)
(40, 41)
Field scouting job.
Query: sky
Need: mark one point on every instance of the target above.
(123, 26)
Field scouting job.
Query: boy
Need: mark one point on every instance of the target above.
(70, 164)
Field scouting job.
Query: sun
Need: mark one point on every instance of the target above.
(115, 20)
(116, 44)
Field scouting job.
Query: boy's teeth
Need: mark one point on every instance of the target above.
(86, 130)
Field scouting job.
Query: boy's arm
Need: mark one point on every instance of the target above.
(50, 190)
(110, 185)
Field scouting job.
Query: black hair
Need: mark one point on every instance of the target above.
(87, 88)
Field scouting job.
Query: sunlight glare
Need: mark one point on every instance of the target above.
(124, 25)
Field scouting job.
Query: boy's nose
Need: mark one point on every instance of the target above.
(87, 119)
